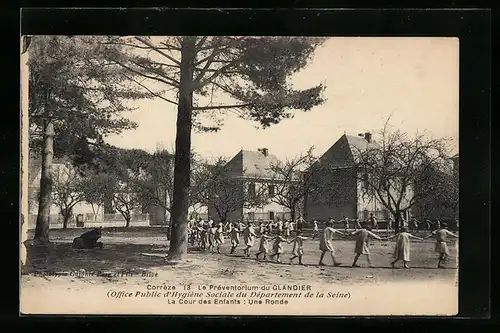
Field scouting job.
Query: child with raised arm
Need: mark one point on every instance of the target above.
(315, 232)
(299, 223)
(278, 247)
(203, 237)
(298, 246)
(286, 229)
(357, 225)
(270, 227)
(325, 243)
(211, 236)
(219, 236)
(262, 228)
(345, 219)
(362, 246)
(280, 227)
(373, 221)
(234, 233)
(441, 246)
(241, 225)
(402, 247)
(249, 238)
(263, 244)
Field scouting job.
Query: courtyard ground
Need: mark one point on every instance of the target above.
(127, 254)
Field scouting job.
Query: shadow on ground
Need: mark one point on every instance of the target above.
(61, 258)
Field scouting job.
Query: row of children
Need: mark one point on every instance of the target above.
(372, 221)
(214, 238)
(210, 236)
(401, 249)
(206, 230)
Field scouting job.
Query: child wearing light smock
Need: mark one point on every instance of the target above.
(298, 247)
(441, 245)
(402, 247)
(315, 229)
(286, 229)
(362, 247)
(219, 236)
(249, 238)
(325, 243)
(278, 247)
(235, 238)
(263, 245)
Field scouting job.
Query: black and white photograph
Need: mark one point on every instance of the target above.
(239, 175)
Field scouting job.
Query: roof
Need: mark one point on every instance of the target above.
(343, 152)
(250, 163)
(357, 143)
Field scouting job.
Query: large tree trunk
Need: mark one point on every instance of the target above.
(66, 217)
(397, 222)
(182, 168)
(45, 198)
(292, 213)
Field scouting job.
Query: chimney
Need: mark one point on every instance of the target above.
(264, 151)
(368, 137)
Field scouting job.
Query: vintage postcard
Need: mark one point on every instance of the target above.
(237, 175)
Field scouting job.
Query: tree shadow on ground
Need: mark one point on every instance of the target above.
(62, 258)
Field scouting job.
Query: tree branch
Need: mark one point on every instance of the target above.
(152, 92)
(219, 107)
(155, 78)
(201, 83)
(200, 43)
(155, 48)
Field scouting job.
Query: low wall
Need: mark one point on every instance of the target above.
(93, 224)
(114, 224)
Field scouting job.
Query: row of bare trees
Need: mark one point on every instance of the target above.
(135, 179)
(400, 172)
(130, 179)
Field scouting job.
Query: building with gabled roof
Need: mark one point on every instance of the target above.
(337, 189)
(251, 164)
(254, 168)
(343, 152)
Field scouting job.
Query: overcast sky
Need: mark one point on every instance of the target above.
(413, 80)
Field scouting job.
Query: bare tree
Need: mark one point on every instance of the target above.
(95, 188)
(126, 201)
(292, 180)
(67, 191)
(391, 169)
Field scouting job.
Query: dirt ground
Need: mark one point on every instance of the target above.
(131, 253)
(60, 280)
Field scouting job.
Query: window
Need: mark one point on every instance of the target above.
(251, 216)
(271, 190)
(271, 216)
